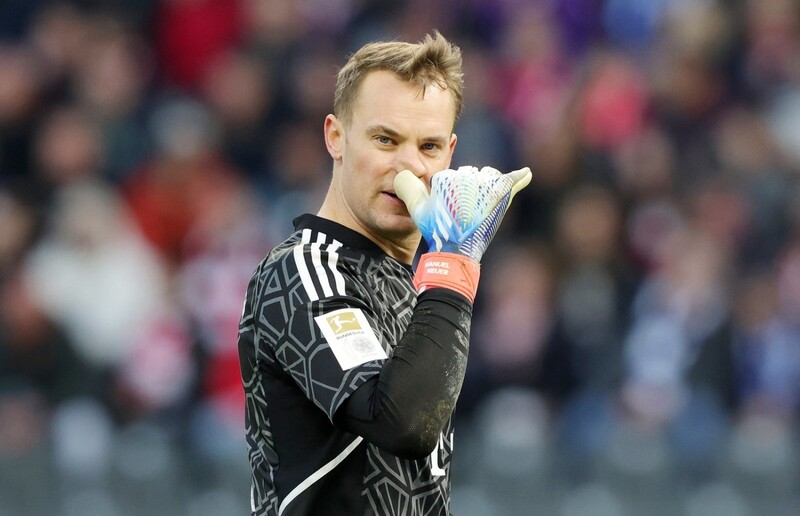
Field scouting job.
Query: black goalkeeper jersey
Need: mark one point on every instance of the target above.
(323, 312)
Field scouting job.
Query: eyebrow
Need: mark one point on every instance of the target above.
(388, 131)
(373, 129)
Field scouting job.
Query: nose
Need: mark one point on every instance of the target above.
(408, 158)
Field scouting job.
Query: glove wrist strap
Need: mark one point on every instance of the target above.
(448, 270)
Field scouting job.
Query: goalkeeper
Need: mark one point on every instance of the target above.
(351, 360)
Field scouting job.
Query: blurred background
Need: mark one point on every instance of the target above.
(636, 343)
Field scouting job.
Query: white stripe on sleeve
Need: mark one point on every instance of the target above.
(333, 258)
(316, 259)
(302, 267)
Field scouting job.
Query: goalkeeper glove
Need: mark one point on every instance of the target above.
(457, 218)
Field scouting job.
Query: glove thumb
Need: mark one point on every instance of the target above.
(411, 190)
(521, 179)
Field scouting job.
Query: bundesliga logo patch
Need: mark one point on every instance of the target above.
(343, 322)
(350, 337)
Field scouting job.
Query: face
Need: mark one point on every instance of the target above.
(392, 128)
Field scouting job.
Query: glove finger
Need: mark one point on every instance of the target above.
(489, 171)
(522, 178)
(411, 190)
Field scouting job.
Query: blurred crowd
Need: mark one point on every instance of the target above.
(637, 332)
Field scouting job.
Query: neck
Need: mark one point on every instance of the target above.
(401, 249)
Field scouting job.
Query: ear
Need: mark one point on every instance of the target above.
(334, 137)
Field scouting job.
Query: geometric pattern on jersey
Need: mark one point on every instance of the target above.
(300, 462)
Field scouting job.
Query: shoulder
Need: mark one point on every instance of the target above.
(320, 264)
(315, 260)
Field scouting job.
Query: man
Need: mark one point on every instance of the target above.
(351, 372)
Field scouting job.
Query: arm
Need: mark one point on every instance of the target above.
(404, 408)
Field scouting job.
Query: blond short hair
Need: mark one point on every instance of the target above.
(434, 60)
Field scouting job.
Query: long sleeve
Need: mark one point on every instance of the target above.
(404, 408)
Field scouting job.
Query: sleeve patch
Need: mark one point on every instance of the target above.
(350, 337)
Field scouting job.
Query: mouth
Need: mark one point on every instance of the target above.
(394, 199)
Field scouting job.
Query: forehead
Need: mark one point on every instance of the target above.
(385, 99)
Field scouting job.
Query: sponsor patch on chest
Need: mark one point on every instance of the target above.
(350, 337)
